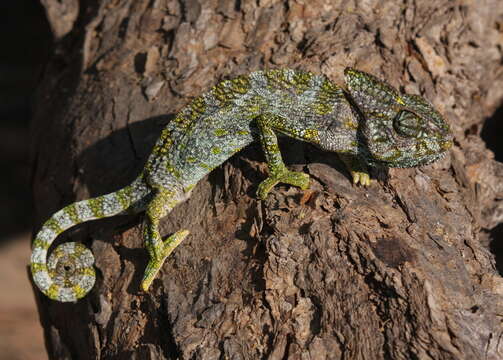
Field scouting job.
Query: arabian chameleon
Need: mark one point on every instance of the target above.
(369, 123)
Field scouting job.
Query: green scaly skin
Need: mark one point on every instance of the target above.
(368, 124)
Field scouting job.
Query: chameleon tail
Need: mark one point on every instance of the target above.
(68, 274)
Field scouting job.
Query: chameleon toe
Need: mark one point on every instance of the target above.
(294, 178)
(159, 256)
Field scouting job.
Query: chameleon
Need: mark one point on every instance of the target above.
(366, 123)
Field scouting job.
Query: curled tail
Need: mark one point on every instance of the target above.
(68, 274)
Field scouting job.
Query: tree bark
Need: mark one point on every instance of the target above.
(399, 270)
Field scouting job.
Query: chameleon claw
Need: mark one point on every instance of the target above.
(294, 178)
(157, 259)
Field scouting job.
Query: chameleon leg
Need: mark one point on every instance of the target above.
(277, 169)
(357, 169)
(158, 249)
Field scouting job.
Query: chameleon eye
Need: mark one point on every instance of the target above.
(407, 124)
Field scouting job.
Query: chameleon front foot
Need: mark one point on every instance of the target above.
(360, 177)
(357, 169)
(159, 254)
(295, 178)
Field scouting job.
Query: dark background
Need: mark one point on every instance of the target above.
(25, 41)
(25, 45)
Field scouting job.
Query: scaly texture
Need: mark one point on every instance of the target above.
(370, 124)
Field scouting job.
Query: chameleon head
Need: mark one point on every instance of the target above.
(398, 130)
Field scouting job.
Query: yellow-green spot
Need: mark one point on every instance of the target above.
(377, 114)
(96, 206)
(123, 197)
(421, 147)
(205, 166)
(240, 85)
(242, 132)
(221, 93)
(53, 292)
(39, 243)
(329, 87)
(38, 267)
(221, 132)
(191, 159)
(322, 108)
(72, 213)
(162, 146)
(325, 96)
(400, 100)
(189, 187)
(445, 144)
(53, 225)
(198, 105)
(277, 79)
(254, 106)
(89, 271)
(79, 291)
(395, 155)
(272, 148)
(252, 110)
(311, 134)
(380, 140)
(216, 150)
(172, 170)
(58, 252)
(276, 121)
(182, 121)
(193, 112)
(351, 125)
(190, 113)
(78, 249)
(302, 80)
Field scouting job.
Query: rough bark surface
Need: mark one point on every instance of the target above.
(400, 270)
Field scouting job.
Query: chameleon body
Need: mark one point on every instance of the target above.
(368, 123)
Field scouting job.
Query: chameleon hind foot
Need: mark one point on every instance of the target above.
(158, 256)
(294, 178)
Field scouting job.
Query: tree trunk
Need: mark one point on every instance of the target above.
(399, 270)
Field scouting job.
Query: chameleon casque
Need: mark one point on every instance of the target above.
(368, 124)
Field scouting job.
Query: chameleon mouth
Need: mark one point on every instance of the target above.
(409, 163)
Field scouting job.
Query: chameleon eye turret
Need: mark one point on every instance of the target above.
(372, 124)
(407, 124)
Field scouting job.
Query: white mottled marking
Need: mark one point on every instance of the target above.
(63, 219)
(86, 282)
(66, 294)
(46, 234)
(42, 280)
(111, 204)
(84, 211)
(39, 255)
